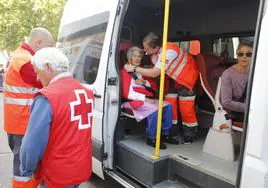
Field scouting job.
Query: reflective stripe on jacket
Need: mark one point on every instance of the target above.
(18, 95)
(183, 68)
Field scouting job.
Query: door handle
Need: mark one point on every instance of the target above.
(114, 101)
(97, 95)
(112, 81)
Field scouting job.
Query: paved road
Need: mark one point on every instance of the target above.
(6, 163)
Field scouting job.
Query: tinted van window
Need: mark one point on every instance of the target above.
(84, 50)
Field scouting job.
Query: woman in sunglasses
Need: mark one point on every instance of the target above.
(234, 82)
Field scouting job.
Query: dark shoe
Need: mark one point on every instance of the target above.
(152, 143)
(174, 130)
(170, 140)
(188, 140)
(189, 134)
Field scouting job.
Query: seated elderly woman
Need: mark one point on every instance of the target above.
(139, 91)
(234, 82)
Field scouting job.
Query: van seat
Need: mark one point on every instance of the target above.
(210, 69)
(238, 126)
(127, 112)
(221, 132)
(123, 48)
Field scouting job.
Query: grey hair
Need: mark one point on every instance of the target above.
(153, 40)
(53, 57)
(132, 49)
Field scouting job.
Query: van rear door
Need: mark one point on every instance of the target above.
(85, 34)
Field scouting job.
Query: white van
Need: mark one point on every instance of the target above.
(93, 34)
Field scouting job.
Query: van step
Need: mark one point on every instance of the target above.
(192, 172)
(142, 168)
(176, 163)
(173, 184)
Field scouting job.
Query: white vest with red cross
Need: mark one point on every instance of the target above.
(68, 155)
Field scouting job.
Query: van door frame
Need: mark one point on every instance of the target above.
(113, 94)
(249, 92)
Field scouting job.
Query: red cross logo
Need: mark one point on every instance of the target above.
(81, 109)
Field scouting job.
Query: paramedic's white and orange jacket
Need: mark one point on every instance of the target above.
(181, 67)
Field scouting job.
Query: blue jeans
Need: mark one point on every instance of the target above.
(166, 122)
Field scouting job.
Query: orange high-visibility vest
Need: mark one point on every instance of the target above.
(194, 47)
(183, 68)
(18, 95)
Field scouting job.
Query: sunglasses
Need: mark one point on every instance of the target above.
(248, 54)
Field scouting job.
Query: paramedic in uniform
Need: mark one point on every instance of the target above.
(57, 145)
(20, 85)
(181, 67)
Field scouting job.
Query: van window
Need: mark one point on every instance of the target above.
(226, 47)
(84, 52)
(91, 63)
(90, 48)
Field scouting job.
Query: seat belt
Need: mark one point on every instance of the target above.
(135, 77)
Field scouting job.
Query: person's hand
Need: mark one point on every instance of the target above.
(140, 82)
(150, 101)
(128, 68)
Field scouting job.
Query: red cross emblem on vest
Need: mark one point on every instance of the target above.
(82, 109)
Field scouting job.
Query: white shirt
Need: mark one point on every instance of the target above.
(133, 95)
(156, 59)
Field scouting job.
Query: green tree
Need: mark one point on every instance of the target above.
(19, 17)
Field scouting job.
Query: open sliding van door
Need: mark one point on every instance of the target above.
(85, 37)
(253, 169)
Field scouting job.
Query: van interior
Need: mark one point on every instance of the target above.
(218, 26)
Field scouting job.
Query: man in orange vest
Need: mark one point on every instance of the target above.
(20, 85)
(181, 67)
(57, 145)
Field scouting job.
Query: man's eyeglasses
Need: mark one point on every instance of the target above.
(248, 54)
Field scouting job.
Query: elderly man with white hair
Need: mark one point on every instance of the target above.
(20, 85)
(57, 145)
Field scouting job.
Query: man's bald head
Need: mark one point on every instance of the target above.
(40, 38)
